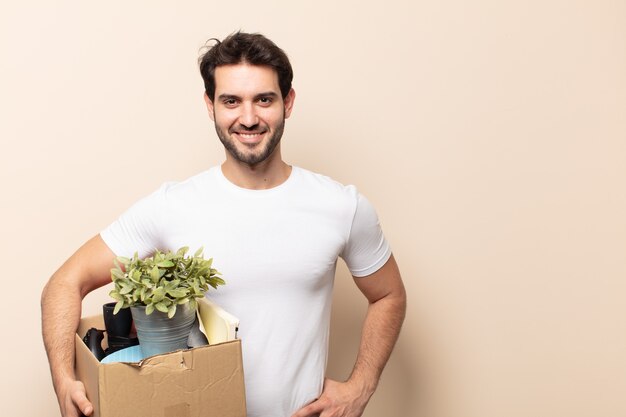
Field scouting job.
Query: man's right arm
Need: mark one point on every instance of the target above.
(87, 269)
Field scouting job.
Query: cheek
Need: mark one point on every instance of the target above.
(273, 118)
(224, 120)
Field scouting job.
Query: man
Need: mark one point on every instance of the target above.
(275, 232)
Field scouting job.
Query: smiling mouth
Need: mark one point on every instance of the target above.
(249, 137)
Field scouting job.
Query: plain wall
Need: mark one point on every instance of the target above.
(490, 136)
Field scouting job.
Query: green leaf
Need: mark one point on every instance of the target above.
(116, 273)
(118, 307)
(171, 311)
(116, 295)
(182, 251)
(165, 264)
(162, 307)
(173, 284)
(198, 252)
(149, 309)
(125, 288)
(158, 294)
(177, 293)
(154, 274)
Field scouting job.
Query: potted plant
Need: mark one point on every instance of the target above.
(161, 291)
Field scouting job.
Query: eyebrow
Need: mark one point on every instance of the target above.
(269, 94)
(227, 97)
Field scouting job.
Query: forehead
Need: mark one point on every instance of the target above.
(245, 79)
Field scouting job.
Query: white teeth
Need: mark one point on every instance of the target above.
(248, 135)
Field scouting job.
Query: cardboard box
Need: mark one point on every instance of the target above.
(205, 381)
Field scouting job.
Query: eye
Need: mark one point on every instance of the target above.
(230, 102)
(265, 100)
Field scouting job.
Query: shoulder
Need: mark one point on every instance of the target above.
(193, 187)
(326, 185)
(325, 196)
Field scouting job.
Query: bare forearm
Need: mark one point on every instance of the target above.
(61, 309)
(380, 332)
(61, 302)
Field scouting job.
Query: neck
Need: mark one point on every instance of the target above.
(267, 174)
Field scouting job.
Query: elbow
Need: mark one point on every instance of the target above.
(44, 295)
(47, 293)
(401, 301)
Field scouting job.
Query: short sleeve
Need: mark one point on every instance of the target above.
(137, 229)
(366, 250)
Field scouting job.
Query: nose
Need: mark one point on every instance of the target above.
(248, 117)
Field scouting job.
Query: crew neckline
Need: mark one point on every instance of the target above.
(219, 174)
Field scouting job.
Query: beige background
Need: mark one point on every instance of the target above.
(490, 135)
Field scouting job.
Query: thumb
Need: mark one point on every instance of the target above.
(80, 399)
(310, 410)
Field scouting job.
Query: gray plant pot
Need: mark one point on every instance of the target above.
(159, 334)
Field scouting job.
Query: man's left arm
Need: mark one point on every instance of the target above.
(385, 293)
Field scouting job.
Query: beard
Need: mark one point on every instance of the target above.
(251, 157)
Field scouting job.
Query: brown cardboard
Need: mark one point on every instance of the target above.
(205, 381)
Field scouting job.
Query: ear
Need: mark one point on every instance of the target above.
(209, 106)
(291, 97)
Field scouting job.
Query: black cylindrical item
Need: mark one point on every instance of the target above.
(117, 325)
(118, 328)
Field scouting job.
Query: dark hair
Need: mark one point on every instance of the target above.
(251, 48)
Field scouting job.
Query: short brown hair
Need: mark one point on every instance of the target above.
(241, 47)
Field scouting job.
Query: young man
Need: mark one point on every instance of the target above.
(275, 232)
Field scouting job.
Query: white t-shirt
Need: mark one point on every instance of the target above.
(277, 250)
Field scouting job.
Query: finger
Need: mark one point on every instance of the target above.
(81, 401)
(310, 410)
